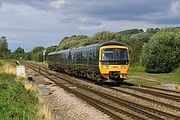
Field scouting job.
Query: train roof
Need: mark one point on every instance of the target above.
(112, 43)
(63, 51)
(101, 44)
(89, 46)
(52, 53)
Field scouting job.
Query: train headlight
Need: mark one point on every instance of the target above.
(123, 67)
(105, 66)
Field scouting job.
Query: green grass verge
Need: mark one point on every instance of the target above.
(142, 82)
(16, 102)
(139, 70)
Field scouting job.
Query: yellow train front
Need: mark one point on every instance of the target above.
(105, 62)
(113, 61)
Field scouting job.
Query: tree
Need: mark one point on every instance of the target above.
(18, 53)
(126, 34)
(28, 56)
(102, 37)
(143, 36)
(162, 53)
(37, 53)
(51, 49)
(135, 43)
(4, 47)
(135, 48)
(152, 30)
(72, 42)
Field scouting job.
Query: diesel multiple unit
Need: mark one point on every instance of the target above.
(105, 62)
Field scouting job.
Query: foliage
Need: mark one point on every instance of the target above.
(102, 37)
(18, 53)
(126, 34)
(152, 30)
(143, 36)
(134, 38)
(36, 53)
(27, 56)
(135, 43)
(72, 42)
(4, 47)
(161, 53)
(135, 48)
(16, 102)
(51, 49)
(81, 40)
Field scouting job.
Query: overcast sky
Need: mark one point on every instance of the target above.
(30, 23)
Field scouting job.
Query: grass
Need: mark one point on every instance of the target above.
(18, 99)
(8, 66)
(43, 112)
(139, 70)
(16, 102)
(138, 76)
(174, 76)
(142, 82)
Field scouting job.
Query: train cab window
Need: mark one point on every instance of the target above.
(107, 55)
(114, 54)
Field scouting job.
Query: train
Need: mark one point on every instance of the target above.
(103, 62)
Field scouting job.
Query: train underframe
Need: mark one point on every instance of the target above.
(91, 73)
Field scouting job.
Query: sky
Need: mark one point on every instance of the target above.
(31, 23)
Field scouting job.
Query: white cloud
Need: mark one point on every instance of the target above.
(92, 28)
(175, 8)
(115, 25)
(57, 4)
(51, 20)
(118, 25)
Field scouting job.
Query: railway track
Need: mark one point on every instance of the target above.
(143, 111)
(147, 99)
(151, 88)
(95, 103)
(155, 93)
(161, 89)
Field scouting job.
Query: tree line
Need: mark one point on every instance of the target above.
(156, 49)
(36, 54)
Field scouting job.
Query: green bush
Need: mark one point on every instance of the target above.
(162, 53)
(16, 102)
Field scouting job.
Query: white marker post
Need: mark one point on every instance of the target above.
(20, 71)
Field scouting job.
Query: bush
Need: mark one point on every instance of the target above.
(162, 53)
